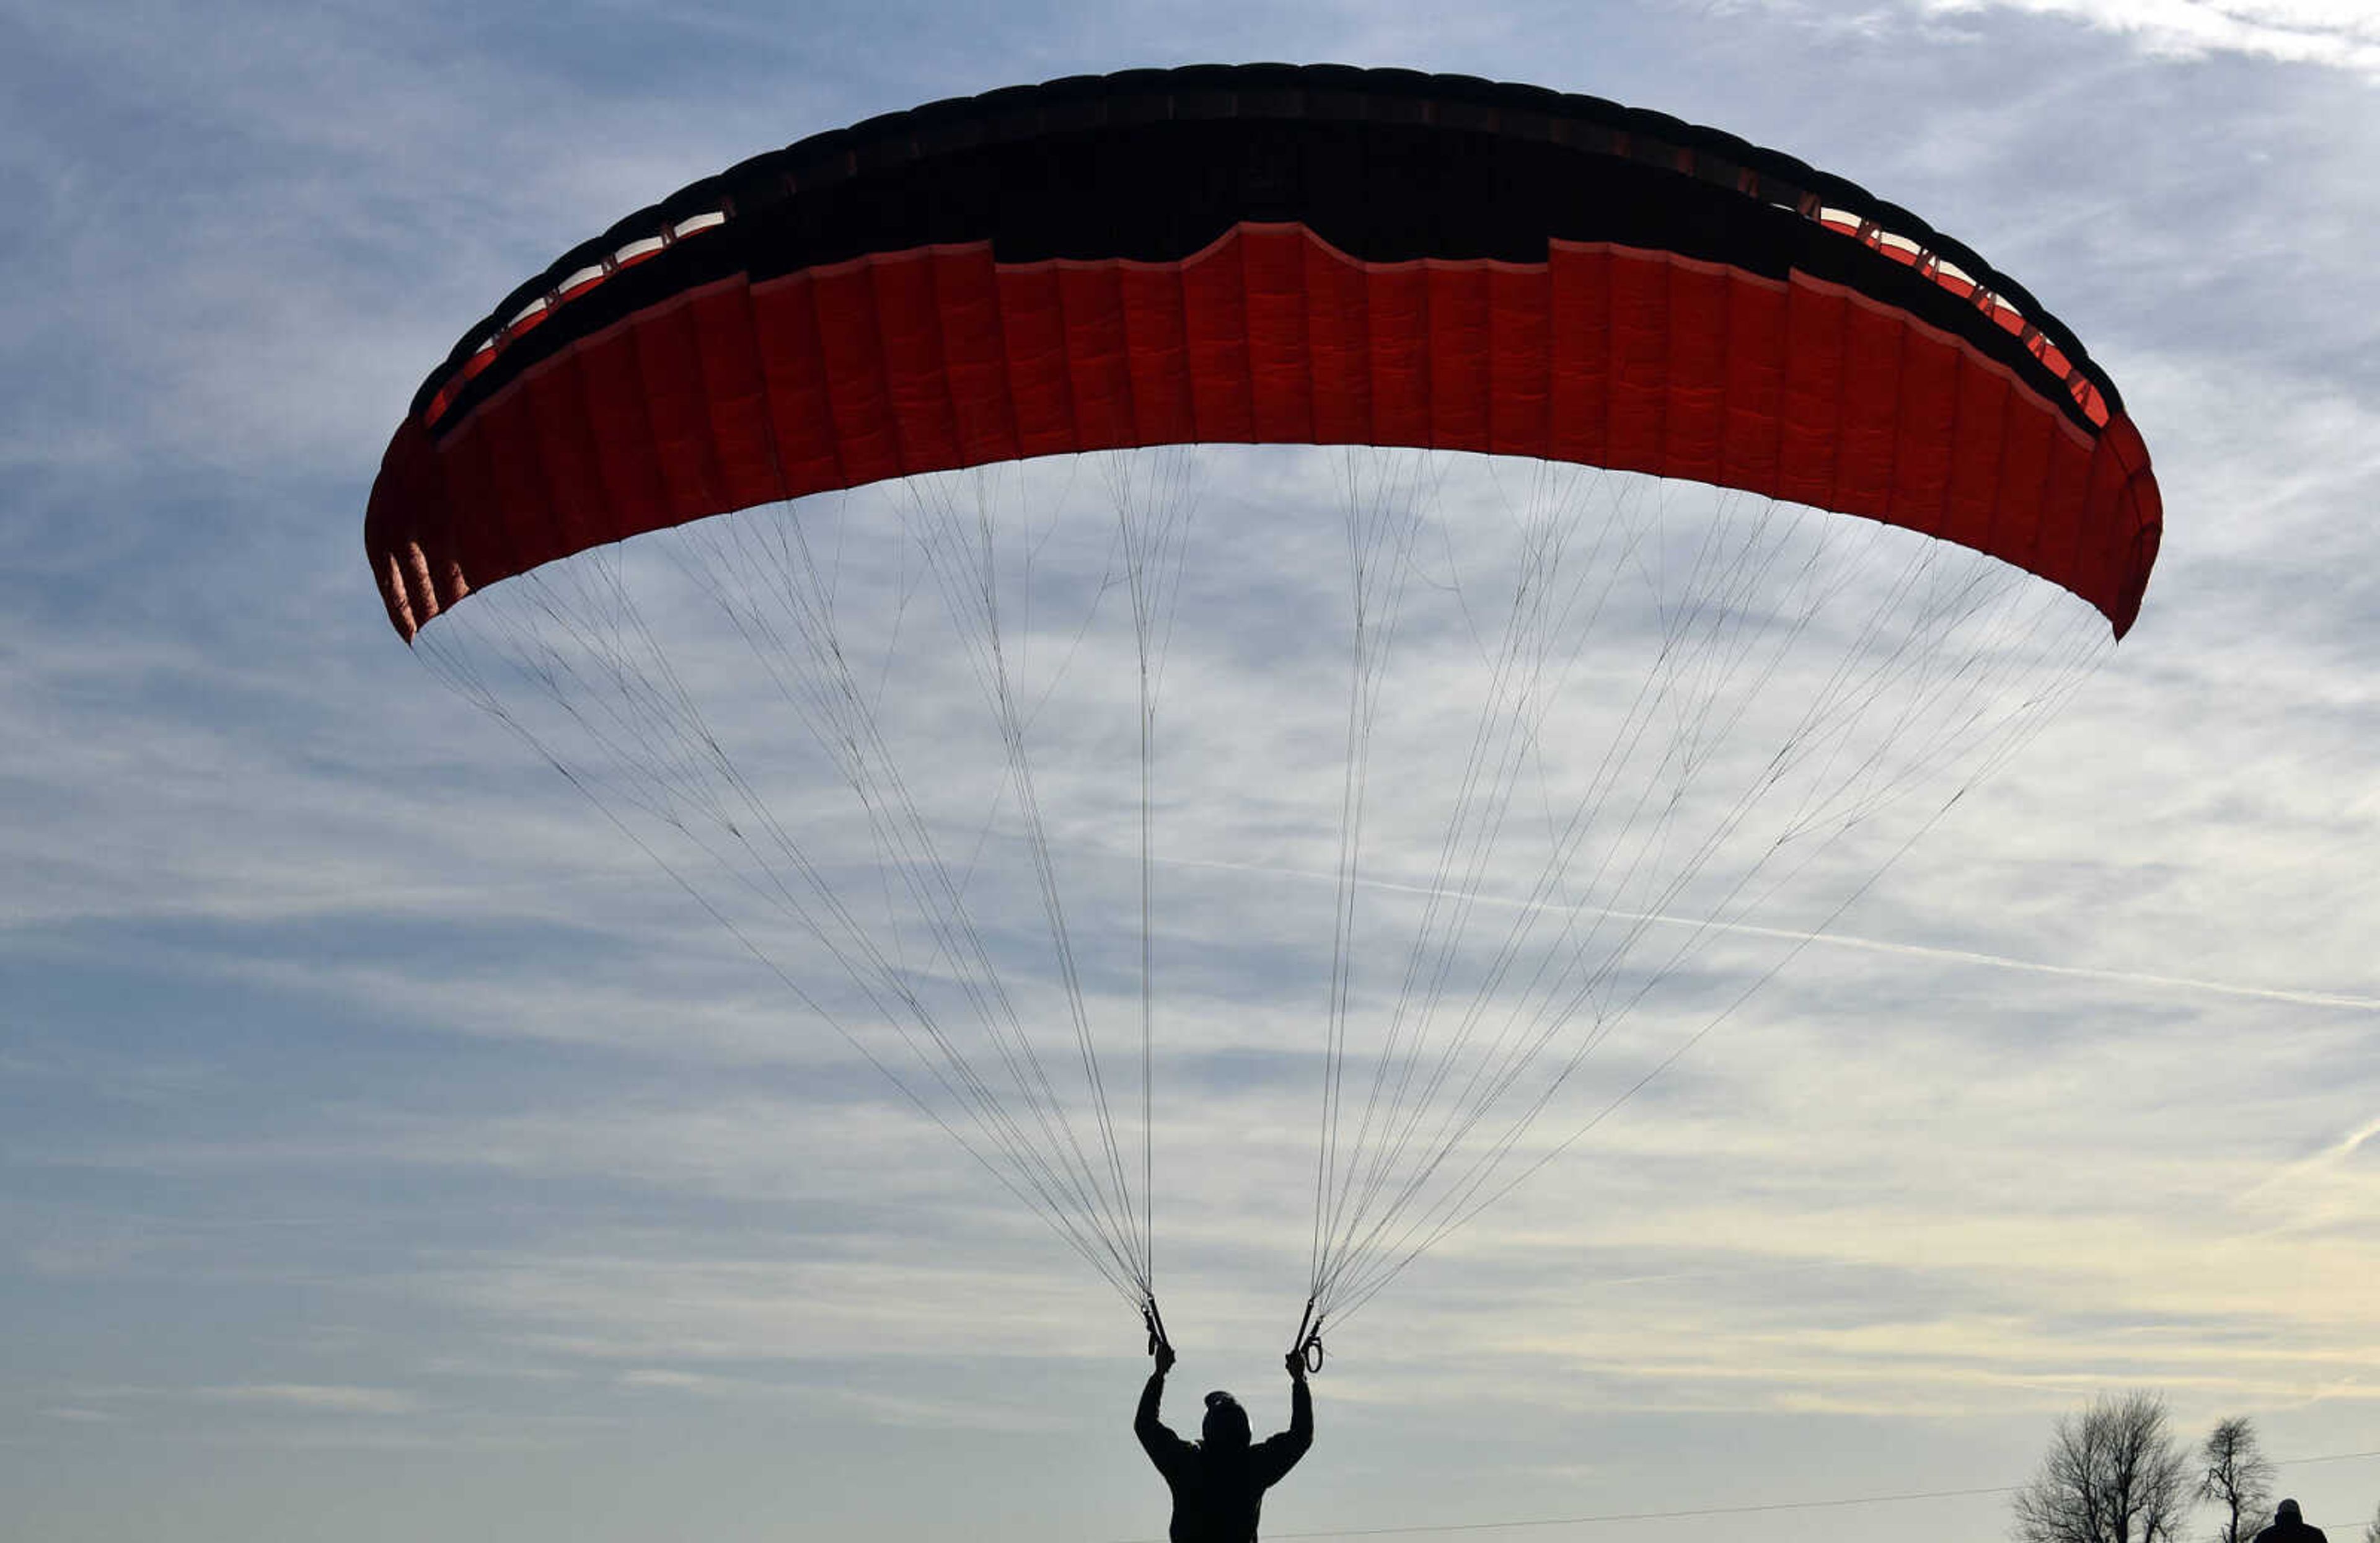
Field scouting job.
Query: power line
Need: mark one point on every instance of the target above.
(1720, 1510)
(2334, 1457)
(1660, 1515)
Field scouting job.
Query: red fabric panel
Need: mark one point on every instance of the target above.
(1579, 314)
(1396, 303)
(2140, 515)
(1753, 368)
(975, 354)
(1458, 355)
(919, 361)
(1519, 358)
(1867, 433)
(784, 327)
(2056, 552)
(474, 544)
(1638, 386)
(744, 443)
(563, 443)
(529, 530)
(2145, 506)
(1694, 420)
(1040, 387)
(1817, 323)
(679, 412)
(616, 420)
(1158, 356)
(917, 386)
(2030, 439)
(1215, 326)
(1928, 400)
(851, 347)
(2107, 539)
(1281, 383)
(1979, 423)
(1338, 344)
(1100, 382)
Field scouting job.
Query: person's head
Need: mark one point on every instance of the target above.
(2288, 1512)
(1226, 1427)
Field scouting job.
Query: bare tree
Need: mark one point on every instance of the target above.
(2114, 1473)
(2372, 1529)
(2238, 1478)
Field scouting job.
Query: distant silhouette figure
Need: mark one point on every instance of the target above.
(2289, 1527)
(1219, 1481)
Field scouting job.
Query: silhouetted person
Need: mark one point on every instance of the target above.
(1219, 1481)
(2289, 1527)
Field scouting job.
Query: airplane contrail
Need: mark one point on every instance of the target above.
(1845, 940)
(2330, 1157)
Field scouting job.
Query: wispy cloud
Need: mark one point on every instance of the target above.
(315, 1398)
(2342, 34)
(74, 1415)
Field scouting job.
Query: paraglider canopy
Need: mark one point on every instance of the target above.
(1263, 254)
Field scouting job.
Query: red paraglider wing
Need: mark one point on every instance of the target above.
(1264, 254)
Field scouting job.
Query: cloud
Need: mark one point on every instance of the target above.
(317, 1399)
(2342, 34)
(73, 1415)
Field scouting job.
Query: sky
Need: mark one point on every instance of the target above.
(386, 1152)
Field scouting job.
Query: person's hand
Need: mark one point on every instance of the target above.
(1164, 1353)
(1295, 1362)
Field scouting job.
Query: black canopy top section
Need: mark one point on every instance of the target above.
(1386, 165)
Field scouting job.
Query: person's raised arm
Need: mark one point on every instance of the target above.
(1281, 1451)
(1157, 1441)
